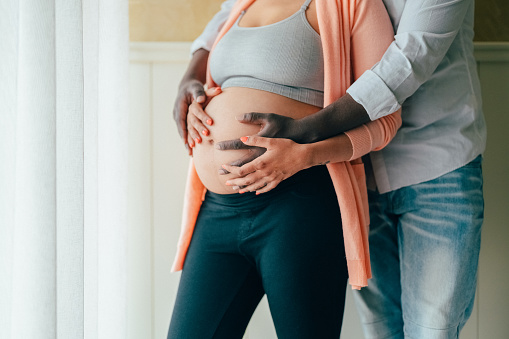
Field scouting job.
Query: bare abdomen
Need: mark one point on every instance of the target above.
(223, 109)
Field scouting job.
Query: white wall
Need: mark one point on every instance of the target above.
(158, 164)
(493, 288)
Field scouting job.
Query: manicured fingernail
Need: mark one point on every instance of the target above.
(258, 193)
(217, 89)
(228, 183)
(243, 139)
(205, 132)
(209, 122)
(241, 192)
(198, 140)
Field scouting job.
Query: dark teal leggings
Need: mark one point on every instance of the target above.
(287, 243)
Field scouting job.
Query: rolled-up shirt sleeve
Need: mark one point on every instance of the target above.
(209, 34)
(424, 34)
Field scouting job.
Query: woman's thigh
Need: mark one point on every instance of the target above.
(219, 290)
(302, 262)
(288, 243)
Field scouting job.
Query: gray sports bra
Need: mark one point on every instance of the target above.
(285, 58)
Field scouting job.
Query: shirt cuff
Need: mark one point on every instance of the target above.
(372, 93)
(199, 43)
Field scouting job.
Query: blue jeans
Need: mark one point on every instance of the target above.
(424, 248)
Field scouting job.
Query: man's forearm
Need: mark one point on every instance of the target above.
(190, 89)
(342, 115)
(197, 69)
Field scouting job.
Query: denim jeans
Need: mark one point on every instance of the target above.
(424, 249)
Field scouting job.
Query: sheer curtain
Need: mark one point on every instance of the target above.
(63, 168)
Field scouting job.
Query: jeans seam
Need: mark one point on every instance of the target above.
(381, 320)
(390, 335)
(431, 328)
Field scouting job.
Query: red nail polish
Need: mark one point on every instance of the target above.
(243, 139)
(198, 140)
(209, 122)
(205, 132)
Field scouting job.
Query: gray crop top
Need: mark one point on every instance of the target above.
(285, 58)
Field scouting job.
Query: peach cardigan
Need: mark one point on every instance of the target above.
(354, 34)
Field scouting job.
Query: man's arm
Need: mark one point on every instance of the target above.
(209, 34)
(425, 32)
(371, 34)
(191, 89)
(342, 115)
(191, 85)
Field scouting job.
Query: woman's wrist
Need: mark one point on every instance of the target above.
(309, 155)
(197, 69)
(336, 149)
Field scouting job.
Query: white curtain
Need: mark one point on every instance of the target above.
(63, 168)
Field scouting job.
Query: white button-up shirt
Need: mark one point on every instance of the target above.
(430, 71)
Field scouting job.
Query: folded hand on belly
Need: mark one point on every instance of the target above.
(223, 109)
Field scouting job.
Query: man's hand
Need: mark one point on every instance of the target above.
(271, 126)
(340, 116)
(191, 89)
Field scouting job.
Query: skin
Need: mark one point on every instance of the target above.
(223, 108)
(191, 91)
(285, 158)
(264, 166)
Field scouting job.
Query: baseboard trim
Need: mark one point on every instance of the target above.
(491, 51)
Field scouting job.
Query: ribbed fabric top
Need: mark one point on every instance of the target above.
(285, 58)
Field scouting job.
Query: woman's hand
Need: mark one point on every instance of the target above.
(271, 126)
(281, 159)
(197, 118)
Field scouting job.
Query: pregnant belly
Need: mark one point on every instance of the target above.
(223, 109)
